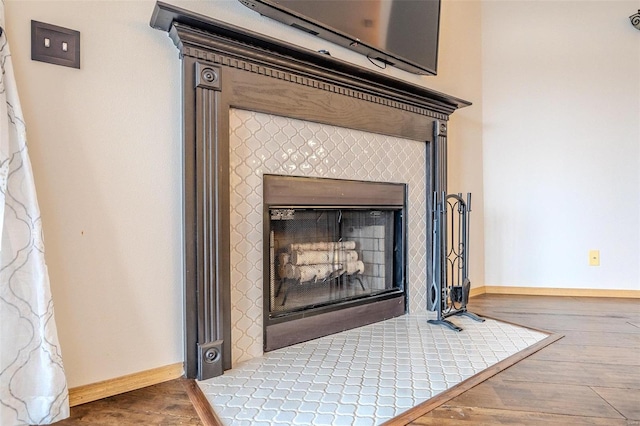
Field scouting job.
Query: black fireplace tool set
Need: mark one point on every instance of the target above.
(448, 291)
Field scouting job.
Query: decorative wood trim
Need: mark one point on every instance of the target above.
(212, 229)
(409, 105)
(203, 37)
(433, 403)
(543, 291)
(95, 391)
(292, 77)
(202, 406)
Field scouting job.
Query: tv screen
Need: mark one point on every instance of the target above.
(401, 33)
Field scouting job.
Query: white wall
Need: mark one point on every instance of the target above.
(561, 143)
(105, 146)
(459, 74)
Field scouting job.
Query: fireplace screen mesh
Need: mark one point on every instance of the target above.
(320, 257)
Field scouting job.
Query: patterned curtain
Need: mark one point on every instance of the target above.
(33, 388)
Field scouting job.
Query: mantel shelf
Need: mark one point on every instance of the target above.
(166, 16)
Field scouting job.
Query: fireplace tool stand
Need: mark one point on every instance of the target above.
(448, 292)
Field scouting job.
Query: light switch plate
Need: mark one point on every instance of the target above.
(47, 44)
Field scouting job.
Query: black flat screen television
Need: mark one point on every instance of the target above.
(401, 33)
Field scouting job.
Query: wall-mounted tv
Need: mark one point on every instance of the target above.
(401, 33)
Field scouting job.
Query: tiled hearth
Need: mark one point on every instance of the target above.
(363, 376)
(268, 144)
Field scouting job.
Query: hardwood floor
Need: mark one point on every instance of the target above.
(590, 376)
(166, 404)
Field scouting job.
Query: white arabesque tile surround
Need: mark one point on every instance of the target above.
(269, 144)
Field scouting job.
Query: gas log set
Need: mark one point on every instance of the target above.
(319, 262)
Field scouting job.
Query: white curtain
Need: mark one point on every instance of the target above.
(33, 388)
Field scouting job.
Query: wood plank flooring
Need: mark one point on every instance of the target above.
(166, 404)
(591, 376)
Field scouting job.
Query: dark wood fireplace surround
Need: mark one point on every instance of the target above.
(225, 67)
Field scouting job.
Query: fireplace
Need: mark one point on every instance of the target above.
(255, 106)
(331, 245)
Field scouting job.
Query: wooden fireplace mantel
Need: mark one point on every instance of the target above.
(240, 43)
(224, 67)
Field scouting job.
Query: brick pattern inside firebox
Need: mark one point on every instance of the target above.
(373, 253)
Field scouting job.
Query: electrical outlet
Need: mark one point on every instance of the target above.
(594, 257)
(55, 45)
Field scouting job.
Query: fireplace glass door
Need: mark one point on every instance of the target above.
(323, 257)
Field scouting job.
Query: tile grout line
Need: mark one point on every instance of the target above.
(366, 404)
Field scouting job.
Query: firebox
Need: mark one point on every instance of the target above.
(334, 256)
